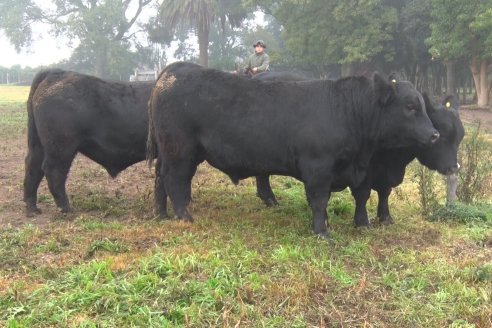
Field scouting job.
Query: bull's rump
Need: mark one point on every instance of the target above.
(246, 127)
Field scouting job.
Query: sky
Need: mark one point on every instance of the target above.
(44, 50)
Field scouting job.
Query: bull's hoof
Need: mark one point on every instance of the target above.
(66, 210)
(185, 216)
(187, 219)
(363, 225)
(270, 202)
(386, 220)
(163, 216)
(32, 211)
(326, 237)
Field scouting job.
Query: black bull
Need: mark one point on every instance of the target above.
(69, 113)
(323, 133)
(387, 167)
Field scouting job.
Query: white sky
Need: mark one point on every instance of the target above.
(44, 50)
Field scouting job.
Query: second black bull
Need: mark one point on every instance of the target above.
(387, 167)
(323, 133)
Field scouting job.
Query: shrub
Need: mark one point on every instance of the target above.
(426, 182)
(462, 213)
(476, 168)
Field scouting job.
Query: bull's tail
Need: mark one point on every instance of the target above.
(35, 152)
(151, 143)
(32, 132)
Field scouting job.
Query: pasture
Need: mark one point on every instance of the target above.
(240, 264)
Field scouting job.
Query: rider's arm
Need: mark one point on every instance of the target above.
(264, 65)
(247, 63)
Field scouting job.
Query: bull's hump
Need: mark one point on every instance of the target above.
(165, 82)
(47, 90)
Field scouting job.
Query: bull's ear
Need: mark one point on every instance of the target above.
(450, 102)
(385, 91)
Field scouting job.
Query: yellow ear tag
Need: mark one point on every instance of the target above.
(448, 104)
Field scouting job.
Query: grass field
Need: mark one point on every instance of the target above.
(110, 264)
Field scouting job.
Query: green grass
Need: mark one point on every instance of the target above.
(13, 95)
(13, 113)
(240, 263)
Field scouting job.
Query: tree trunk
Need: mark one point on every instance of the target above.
(479, 70)
(348, 69)
(100, 61)
(450, 79)
(203, 45)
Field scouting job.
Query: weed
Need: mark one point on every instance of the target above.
(462, 213)
(112, 246)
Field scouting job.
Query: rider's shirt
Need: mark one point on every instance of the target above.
(260, 61)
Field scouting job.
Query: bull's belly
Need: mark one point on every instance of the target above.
(238, 168)
(350, 176)
(248, 158)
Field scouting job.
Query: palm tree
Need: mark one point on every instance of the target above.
(199, 15)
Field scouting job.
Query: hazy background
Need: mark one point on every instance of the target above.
(440, 46)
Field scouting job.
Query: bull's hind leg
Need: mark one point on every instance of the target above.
(177, 181)
(264, 190)
(32, 178)
(160, 195)
(56, 170)
(383, 206)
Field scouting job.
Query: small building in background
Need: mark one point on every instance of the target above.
(142, 74)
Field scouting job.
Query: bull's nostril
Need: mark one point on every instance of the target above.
(434, 137)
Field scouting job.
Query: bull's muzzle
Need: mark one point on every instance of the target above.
(454, 169)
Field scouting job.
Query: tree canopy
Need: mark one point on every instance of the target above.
(101, 28)
(426, 41)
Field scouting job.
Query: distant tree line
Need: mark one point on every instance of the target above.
(439, 45)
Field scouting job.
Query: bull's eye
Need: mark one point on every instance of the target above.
(411, 108)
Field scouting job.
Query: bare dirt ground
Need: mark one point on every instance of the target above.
(86, 179)
(88, 187)
(473, 115)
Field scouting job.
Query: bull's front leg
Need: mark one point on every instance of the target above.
(361, 195)
(264, 190)
(318, 195)
(383, 206)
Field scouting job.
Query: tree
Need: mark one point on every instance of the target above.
(225, 47)
(463, 29)
(100, 27)
(327, 32)
(200, 15)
